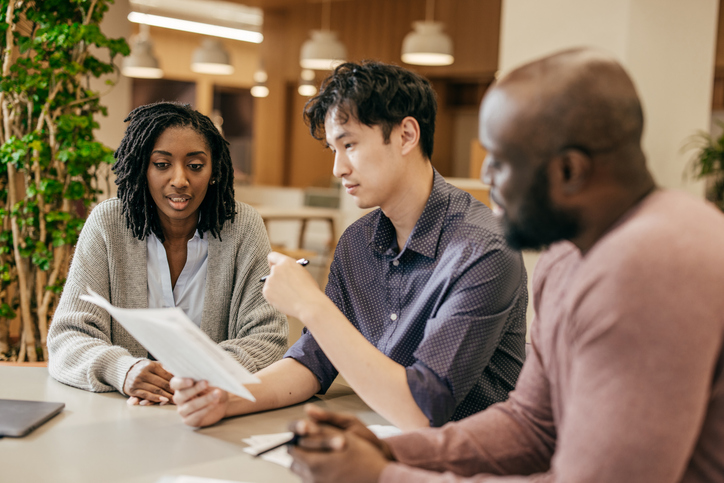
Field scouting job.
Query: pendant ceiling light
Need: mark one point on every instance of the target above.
(427, 44)
(323, 51)
(211, 58)
(260, 89)
(141, 63)
(307, 87)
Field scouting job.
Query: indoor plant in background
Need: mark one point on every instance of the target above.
(49, 159)
(708, 163)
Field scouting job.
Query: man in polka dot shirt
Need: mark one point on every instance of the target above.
(424, 313)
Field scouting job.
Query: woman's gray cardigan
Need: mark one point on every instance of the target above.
(90, 350)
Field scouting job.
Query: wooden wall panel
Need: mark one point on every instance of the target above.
(718, 97)
(309, 162)
(720, 38)
(269, 112)
(444, 123)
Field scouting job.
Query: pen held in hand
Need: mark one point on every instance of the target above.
(292, 441)
(302, 261)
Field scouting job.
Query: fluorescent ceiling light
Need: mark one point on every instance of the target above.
(213, 12)
(196, 27)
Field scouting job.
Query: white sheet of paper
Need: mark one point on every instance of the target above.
(260, 442)
(183, 348)
(279, 456)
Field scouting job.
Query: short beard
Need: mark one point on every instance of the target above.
(540, 223)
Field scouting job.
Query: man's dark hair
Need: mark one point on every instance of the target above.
(146, 123)
(375, 94)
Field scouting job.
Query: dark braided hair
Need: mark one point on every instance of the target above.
(374, 93)
(146, 123)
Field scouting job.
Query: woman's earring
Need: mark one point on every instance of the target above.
(213, 181)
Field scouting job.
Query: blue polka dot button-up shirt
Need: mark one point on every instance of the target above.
(449, 307)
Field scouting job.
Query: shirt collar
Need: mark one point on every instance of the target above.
(196, 238)
(426, 233)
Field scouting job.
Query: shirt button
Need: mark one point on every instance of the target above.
(393, 316)
(395, 262)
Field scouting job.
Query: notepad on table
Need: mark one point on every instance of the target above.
(261, 442)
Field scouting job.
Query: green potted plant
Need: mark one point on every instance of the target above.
(49, 160)
(708, 163)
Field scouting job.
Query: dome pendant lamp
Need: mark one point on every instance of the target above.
(211, 58)
(323, 51)
(427, 44)
(141, 63)
(260, 89)
(306, 83)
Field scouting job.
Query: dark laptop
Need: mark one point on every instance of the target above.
(18, 418)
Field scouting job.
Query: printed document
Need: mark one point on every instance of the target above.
(181, 346)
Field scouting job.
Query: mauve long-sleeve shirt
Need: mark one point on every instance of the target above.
(625, 380)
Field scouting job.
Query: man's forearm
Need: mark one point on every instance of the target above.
(377, 379)
(283, 383)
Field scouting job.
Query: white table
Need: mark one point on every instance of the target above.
(98, 438)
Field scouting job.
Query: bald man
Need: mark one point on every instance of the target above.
(625, 380)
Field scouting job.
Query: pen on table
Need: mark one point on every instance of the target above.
(302, 261)
(291, 441)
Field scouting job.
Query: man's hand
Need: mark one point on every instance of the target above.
(333, 455)
(198, 404)
(337, 447)
(289, 286)
(147, 382)
(319, 417)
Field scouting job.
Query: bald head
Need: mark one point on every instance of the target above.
(578, 98)
(563, 135)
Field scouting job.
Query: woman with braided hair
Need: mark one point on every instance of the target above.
(174, 237)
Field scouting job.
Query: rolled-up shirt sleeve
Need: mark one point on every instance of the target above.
(460, 339)
(307, 352)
